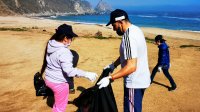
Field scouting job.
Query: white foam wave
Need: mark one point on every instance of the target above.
(147, 16)
(194, 19)
(191, 31)
(53, 17)
(86, 23)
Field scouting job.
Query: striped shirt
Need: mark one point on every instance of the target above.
(133, 45)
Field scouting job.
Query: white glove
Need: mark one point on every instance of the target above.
(104, 82)
(160, 69)
(111, 67)
(91, 76)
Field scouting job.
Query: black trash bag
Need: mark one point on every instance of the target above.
(40, 86)
(97, 100)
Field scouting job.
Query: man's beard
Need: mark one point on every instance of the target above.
(119, 32)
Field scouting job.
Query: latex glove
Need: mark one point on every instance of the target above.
(160, 69)
(104, 82)
(111, 67)
(91, 76)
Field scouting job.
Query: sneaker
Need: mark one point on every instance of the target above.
(71, 91)
(172, 88)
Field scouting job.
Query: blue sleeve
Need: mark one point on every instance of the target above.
(163, 58)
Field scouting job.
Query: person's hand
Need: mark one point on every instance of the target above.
(111, 67)
(104, 82)
(91, 76)
(160, 69)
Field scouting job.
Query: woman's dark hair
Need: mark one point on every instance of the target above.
(57, 38)
(159, 38)
(162, 40)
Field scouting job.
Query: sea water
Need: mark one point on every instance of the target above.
(189, 21)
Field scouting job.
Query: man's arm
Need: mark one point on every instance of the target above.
(130, 67)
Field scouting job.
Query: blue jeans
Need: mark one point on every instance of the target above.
(166, 73)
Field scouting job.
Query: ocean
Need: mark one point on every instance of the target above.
(187, 21)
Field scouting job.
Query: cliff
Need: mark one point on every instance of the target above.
(103, 8)
(44, 7)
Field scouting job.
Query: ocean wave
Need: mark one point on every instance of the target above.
(191, 31)
(182, 18)
(176, 22)
(147, 16)
(86, 23)
(53, 17)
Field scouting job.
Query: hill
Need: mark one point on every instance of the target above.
(44, 7)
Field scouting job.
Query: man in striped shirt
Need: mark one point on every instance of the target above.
(133, 60)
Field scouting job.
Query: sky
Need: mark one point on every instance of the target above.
(192, 5)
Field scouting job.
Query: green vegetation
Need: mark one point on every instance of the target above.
(14, 29)
(148, 40)
(185, 46)
(99, 35)
(35, 27)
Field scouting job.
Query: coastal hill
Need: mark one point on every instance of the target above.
(50, 7)
(4, 10)
(44, 7)
(103, 7)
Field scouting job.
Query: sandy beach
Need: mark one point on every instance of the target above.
(23, 40)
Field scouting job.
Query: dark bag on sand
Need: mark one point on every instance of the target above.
(40, 86)
(97, 100)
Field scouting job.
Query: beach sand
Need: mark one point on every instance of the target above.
(22, 52)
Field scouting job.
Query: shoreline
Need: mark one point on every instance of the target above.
(176, 23)
(84, 28)
(92, 23)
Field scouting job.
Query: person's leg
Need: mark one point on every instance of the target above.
(71, 85)
(128, 99)
(75, 58)
(155, 70)
(138, 97)
(71, 79)
(169, 77)
(61, 93)
(133, 99)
